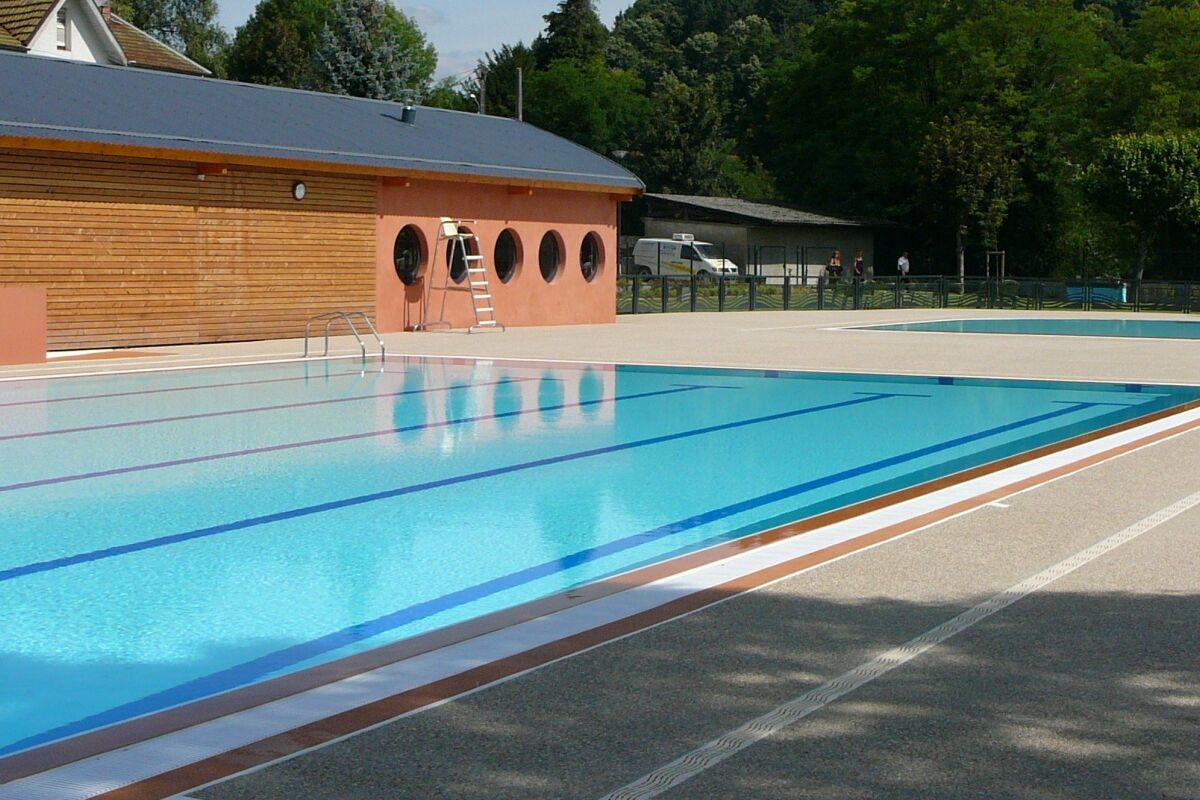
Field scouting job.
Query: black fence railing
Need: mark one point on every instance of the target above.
(661, 294)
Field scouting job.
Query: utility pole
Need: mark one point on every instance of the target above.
(520, 94)
(483, 91)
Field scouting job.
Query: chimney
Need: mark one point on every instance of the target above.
(409, 114)
(106, 12)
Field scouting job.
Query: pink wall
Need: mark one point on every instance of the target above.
(22, 325)
(527, 299)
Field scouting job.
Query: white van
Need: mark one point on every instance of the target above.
(681, 255)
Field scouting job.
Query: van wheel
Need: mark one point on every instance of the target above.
(703, 276)
(644, 272)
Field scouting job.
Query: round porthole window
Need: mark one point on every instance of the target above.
(550, 256)
(508, 255)
(456, 254)
(299, 190)
(591, 255)
(408, 253)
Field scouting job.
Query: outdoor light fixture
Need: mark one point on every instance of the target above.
(299, 190)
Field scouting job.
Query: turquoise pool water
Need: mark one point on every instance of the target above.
(166, 536)
(1058, 326)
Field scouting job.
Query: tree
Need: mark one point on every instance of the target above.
(189, 26)
(500, 67)
(276, 44)
(1146, 181)
(573, 30)
(682, 149)
(588, 103)
(368, 49)
(969, 178)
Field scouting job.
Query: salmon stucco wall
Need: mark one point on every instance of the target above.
(22, 325)
(527, 299)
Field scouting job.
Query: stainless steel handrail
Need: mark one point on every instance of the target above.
(332, 317)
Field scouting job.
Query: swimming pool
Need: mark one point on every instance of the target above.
(169, 536)
(1056, 326)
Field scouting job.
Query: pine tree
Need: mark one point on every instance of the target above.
(574, 30)
(359, 52)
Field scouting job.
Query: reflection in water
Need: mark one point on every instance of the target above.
(550, 393)
(410, 409)
(591, 387)
(506, 398)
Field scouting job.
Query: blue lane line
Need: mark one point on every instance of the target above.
(255, 409)
(104, 473)
(250, 671)
(47, 400)
(319, 508)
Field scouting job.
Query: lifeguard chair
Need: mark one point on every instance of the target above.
(462, 247)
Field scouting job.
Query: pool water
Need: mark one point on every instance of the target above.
(1057, 326)
(170, 535)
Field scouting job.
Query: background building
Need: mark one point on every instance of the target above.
(769, 238)
(158, 209)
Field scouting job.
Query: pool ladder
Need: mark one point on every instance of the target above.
(348, 317)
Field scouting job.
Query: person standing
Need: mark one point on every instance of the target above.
(860, 267)
(902, 265)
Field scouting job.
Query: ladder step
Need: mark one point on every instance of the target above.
(474, 258)
(479, 283)
(486, 308)
(481, 296)
(486, 322)
(476, 269)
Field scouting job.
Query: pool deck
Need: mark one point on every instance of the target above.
(1087, 687)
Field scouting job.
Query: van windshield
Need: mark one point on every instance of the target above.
(705, 251)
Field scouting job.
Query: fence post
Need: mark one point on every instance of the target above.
(944, 291)
(1137, 296)
(753, 292)
(666, 289)
(721, 293)
(637, 285)
(787, 293)
(1041, 295)
(692, 302)
(820, 292)
(1187, 304)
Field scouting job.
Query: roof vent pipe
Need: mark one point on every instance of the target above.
(409, 114)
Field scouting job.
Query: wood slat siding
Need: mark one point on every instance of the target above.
(135, 252)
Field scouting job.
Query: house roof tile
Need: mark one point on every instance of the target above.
(22, 18)
(143, 50)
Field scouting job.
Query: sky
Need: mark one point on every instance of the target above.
(461, 30)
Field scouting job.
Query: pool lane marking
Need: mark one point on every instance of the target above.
(256, 409)
(242, 674)
(104, 473)
(244, 730)
(733, 742)
(413, 488)
(166, 390)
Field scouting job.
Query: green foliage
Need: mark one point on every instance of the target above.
(276, 44)
(589, 104)
(682, 151)
(1146, 181)
(573, 31)
(968, 178)
(366, 47)
(501, 67)
(189, 26)
(359, 55)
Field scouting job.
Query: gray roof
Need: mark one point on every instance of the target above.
(769, 213)
(57, 99)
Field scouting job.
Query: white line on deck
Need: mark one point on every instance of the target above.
(733, 742)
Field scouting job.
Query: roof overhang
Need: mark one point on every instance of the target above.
(305, 165)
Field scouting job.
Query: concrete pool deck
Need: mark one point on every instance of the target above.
(1089, 687)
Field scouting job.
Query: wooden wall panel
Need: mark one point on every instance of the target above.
(142, 253)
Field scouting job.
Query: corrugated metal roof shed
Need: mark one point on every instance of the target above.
(765, 213)
(53, 99)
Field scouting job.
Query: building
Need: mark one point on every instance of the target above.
(157, 209)
(80, 30)
(767, 238)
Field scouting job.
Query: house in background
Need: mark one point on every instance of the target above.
(771, 239)
(80, 30)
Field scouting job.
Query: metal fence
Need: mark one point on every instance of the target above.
(654, 294)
